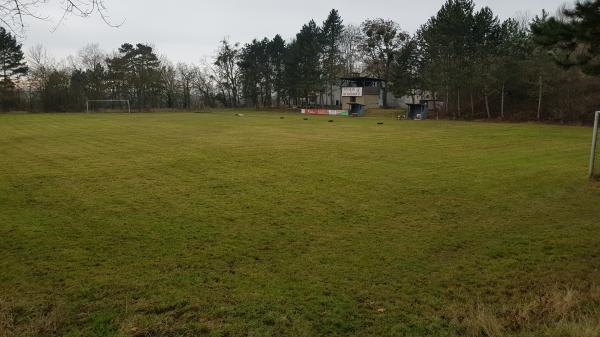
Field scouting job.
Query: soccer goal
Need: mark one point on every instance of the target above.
(595, 157)
(107, 105)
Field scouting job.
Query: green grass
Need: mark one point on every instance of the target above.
(217, 225)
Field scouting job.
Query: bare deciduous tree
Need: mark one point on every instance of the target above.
(350, 46)
(383, 39)
(227, 72)
(13, 13)
(40, 65)
(91, 56)
(186, 73)
(206, 84)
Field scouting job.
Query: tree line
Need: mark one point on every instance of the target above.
(470, 62)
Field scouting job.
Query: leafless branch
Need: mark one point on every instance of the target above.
(13, 13)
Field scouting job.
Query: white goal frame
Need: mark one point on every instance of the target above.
(594, 144)
(87, 103)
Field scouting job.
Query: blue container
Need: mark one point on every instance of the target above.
(356, 110)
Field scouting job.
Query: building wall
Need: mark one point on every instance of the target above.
(370, 101)
(375, 102)
(402, 102)
(373, 99)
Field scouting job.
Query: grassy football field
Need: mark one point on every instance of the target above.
(216, 225)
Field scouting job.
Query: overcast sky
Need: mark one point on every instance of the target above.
(189, 30)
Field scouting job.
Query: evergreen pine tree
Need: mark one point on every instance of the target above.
(575, 39)
(276, 51)
(332, 31)
(303, 70)
(12, 66)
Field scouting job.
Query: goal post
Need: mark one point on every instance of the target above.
(92, 102)
(595, 157)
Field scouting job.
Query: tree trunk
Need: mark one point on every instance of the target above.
(472, 105)
(458, 104)
(385, 92)
(435, 109)
(502, 102)
(487, 106)
(331, 102)
(539, 112)
(447, 102)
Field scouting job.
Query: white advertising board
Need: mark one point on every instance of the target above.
(352, 92)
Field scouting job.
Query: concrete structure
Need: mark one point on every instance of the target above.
(367, 91)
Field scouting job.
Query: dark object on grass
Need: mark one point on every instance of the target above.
(331, 121)
(380, 123)
(306, 118)
(281, 117)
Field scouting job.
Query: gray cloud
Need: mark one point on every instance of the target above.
(189, 30)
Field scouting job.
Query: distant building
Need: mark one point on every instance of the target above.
(367, 91)
(419, 105)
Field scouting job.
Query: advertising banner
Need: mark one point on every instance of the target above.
(352, 92)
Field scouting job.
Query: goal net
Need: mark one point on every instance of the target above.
(107, 105)
(595, 156)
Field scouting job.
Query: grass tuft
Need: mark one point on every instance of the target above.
(559, 312)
